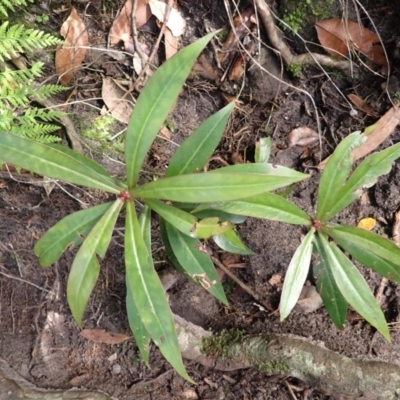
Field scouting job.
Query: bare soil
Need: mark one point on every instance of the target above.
(39, 339)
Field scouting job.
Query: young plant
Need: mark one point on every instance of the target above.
(338, 280)
(183, 186)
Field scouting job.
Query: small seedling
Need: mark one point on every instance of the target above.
(338, 280)
(182, 189)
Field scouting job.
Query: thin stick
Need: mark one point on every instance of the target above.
(24, 281)
(241, 284)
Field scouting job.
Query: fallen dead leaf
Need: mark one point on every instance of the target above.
(165, 132)
(367, 223)
(70, 55)
(242, 24)
(102, 336)
(275, 279)
(338, 37)
(302, 136)
(123, 23)
(396, 228)
(119, 101)
(361, 104)
(175, 23)
(171, 44)
(309, 300)
(383, 129)
(237, 69)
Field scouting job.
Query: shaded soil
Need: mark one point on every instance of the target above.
(40, 340)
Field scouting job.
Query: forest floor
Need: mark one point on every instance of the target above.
(39, 339)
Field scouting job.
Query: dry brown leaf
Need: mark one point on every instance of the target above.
(361, 104)
(241, 24)
(102, 336)
(275, 279)
(367, 223)
(309, 300)
(338, 37)
(119, 102)
(123, 23)
(396, 228)
(383, 129)
(302, 136)
(176, 23)
(70, 55)
(204, 68)
(237, 69)
(171, 44)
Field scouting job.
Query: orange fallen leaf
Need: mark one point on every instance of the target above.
(171, 43)
(383, 129)
(302, 136)
(338, 37)
(367, 223)
(70, 55)
(102, 336)
(361, 104)
(122, 25)
(396, 228)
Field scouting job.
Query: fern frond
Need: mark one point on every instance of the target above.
(7, 4)
(17, 38)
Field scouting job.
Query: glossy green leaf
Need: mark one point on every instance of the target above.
(231, 242)
(222, 215)
(263, 150)
(354, 288)
(67, 233)
(195, 262)
(334, 302)
(365, 176)
(296, 275)
(85, 268)
(181, 220)
(142, 337)
(370, 249)
(154, 103)
(195, 151)
(335, 174)
(46, 160)
(211, 226)
(210, 187)
(268, 206)
(148, 293)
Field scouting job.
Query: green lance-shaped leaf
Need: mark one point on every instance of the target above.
(195, 263)
(230, 241)
(268, 206)
(296, 275)
(334, 302)
(370, 249)
(263, 150)
(154, 103)
(148, 293)
(49, 161)
(85, 268)
(142, 337)
(67, 233)
(195, 151)
(365, 175)
(335, 174)
(210, 187)
(222, 215)
(354, 288)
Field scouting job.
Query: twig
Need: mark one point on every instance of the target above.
(241, 284)
(157, 44)
(24, 281)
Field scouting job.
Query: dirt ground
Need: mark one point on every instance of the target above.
(39, 339)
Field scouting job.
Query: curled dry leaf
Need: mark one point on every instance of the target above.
(309, 300)
(171, 44)
(117, 99)
(302, 136)
(175, 22)
(122, 25)
(70, 55)
(396, 228)
(338, 37)
(102, 336)
(241, 26)
(361, 104)
(382, 130)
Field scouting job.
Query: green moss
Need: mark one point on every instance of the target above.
(273, 367)
(219, 344)
(296, 69)
(299, 14)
